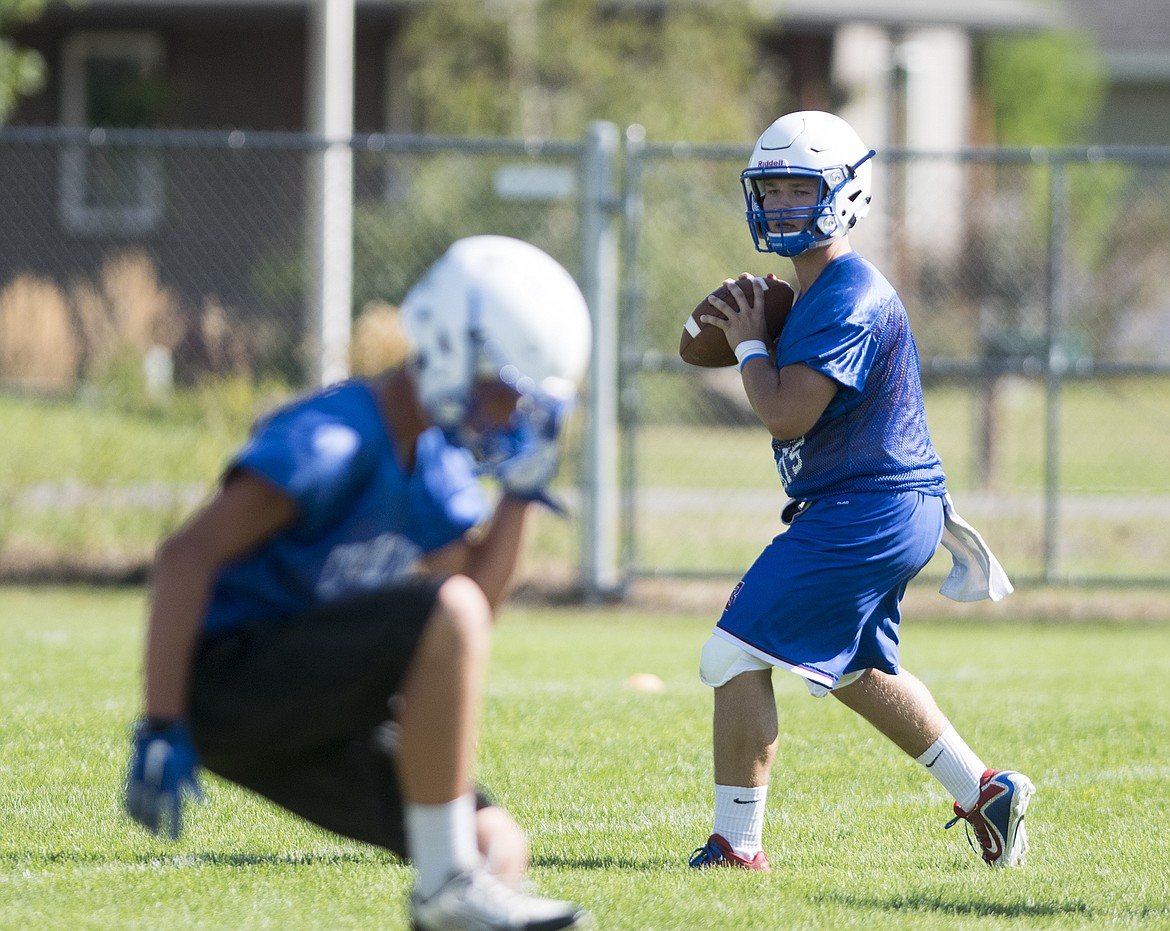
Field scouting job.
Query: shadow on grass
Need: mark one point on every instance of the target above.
(311, 858)
(626, 865)
(947, 906)
(196, 858)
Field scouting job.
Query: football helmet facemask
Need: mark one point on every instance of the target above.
(817, 145)
(497, 308)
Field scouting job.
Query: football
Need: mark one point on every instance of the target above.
(705, 344)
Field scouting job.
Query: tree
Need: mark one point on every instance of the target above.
(21, 71)
(684, 70)
(1044, 89)
(1047, 90)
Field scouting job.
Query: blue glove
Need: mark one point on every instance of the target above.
(530, 469)
(528, 473)
(162, 771)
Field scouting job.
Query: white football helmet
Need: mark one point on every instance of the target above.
(500, 308)
(813, 144)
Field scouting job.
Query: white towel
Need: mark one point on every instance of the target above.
(976, 573)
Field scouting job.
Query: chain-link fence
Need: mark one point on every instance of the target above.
(1037, 287)
(153, 301)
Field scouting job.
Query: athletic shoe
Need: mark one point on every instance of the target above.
(998, 817)
(477, 901)
(717, 852)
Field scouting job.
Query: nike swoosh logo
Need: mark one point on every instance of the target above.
(745, 801)
(935, 760)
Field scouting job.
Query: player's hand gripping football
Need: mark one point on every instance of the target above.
(745, 317)
(528, 472)
(163, 762)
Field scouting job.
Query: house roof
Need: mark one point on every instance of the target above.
(1133, 35)
(1125, 25)
(234, 4)
(985, 15)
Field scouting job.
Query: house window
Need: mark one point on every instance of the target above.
(111, 80)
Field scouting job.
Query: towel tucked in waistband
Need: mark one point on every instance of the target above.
(976, 573)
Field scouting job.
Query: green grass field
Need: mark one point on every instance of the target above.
(89, 486)
(614, 786)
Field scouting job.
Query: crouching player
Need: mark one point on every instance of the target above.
(318, 632)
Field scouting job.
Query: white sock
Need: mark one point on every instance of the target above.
(441, 840)
(956, 766)
(739, 817)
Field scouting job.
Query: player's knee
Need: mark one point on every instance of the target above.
(462, 616)
(721, 661)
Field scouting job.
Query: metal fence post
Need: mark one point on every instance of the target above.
(600, 575)
(1056, 362)
(330, 190)
(632, 337)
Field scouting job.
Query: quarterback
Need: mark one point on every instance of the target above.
(840, 393)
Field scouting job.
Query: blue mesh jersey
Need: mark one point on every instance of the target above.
(362, 523)
(851, 326)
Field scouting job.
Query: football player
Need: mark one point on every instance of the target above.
(840, 393)
(318, 631)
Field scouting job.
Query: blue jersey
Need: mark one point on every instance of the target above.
(851, 326)
(362, 523)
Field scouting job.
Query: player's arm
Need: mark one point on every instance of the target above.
(788, 401)
(163, 759)
(244, 513)
(487, 555)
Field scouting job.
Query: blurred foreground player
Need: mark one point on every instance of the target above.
(841, 395)
(319, 631)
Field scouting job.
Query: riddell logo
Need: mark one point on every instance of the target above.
(772, 163)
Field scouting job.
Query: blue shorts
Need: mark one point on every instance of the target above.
(822, 598)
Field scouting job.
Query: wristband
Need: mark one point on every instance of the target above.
(749, 349)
